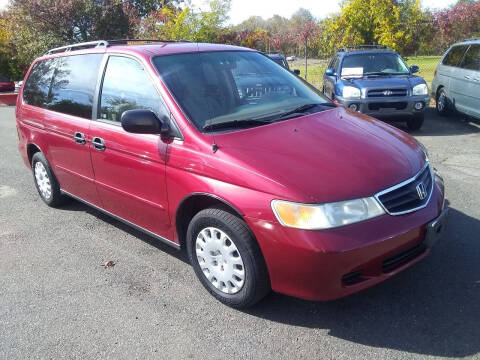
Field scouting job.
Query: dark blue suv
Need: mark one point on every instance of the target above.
(375, 80)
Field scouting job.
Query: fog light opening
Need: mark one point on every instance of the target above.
(418, 105)
(354, 107)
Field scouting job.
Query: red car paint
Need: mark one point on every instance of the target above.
(323, 157)
(7, 86)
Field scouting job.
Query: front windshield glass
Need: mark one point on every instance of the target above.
(232, 87)
(375, 64)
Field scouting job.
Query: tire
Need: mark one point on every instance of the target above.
(442, 103)
(208, 229)
(46, 182)
(415, 122)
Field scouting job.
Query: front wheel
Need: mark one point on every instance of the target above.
(226, 258)
(415, 122)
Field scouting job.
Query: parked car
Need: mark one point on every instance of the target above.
(291, 58)
(280, 60)
(375, 80)
(6, 85)
(271, 188)
(456, 84)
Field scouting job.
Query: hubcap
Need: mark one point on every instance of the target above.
(43, 181)
(220, 260)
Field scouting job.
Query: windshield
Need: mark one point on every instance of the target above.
(233, 87)
(374, 64)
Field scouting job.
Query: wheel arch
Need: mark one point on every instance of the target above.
(192, 204)
(32, 148)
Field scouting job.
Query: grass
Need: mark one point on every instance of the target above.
(316, 68)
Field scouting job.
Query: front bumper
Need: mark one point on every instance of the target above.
(388, 106)
(330, 264)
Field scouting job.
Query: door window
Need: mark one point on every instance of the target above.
(472, 58)
(126, 86)
(454, 56)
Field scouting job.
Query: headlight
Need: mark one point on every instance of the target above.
(325, 216)
(420, 89)
(351, 92)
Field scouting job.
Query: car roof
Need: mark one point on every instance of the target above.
(276, 56)
(468, 42)
(145, 50)
(360, 52)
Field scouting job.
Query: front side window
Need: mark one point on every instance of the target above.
(472, 58)
(229, 87)
(126, 86)
(375, 64)
(454, 56)
(73, 84)
(37, 87)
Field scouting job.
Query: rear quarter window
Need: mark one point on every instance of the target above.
(471, 60)
(64, 84)
(455, 56)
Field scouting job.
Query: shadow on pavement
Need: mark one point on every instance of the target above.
(435, 125)
(78, 206)
(432, 308)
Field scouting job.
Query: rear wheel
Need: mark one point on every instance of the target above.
(226, 258)
(46, 182)
(415, 122)
(442, 103)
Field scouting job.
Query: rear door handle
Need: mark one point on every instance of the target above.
(98, 143)
(467, 77)
(79, 138)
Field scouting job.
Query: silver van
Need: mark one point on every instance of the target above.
(456, 84)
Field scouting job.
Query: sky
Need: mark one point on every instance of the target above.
(243, 9)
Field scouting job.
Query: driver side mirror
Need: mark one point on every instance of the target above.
(330, 72)
(145, 122)
(414, 69)
(296, 72)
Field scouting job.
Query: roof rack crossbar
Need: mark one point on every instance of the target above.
(362, 47)
(106, 43)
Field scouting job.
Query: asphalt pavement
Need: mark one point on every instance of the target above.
(58, 301)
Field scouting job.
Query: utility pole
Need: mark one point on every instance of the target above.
(306, 43)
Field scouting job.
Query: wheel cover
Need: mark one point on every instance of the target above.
(220, 260)
(42, 180)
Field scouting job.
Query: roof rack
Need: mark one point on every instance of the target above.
(474, 38)
(362, 47)
(106, 43)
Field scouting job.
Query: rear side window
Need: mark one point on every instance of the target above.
(73, 84)
(126, 86)
(454, 56)
(37, 86)
(472, 58)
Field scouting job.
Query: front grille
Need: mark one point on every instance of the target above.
(402, 258)
(387, 105)
(386, 92)
(411, 195)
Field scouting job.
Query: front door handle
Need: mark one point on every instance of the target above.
(79, 138)
(467, 77)
(98, 143)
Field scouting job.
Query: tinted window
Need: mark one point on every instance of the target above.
(126, 86)
(73, 84)
(454, 56)
(37, 86)
(472, 58)
(336, 62)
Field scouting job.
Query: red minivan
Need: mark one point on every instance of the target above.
(218, 150)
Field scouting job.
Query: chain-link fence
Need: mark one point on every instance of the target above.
(317, 67)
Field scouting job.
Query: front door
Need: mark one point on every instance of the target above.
(471, 79)
(130, 168)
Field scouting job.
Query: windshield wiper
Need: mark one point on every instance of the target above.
(297, 110)
(234, 123)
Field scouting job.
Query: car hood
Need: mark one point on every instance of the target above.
(327, 156)
(399, 81)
